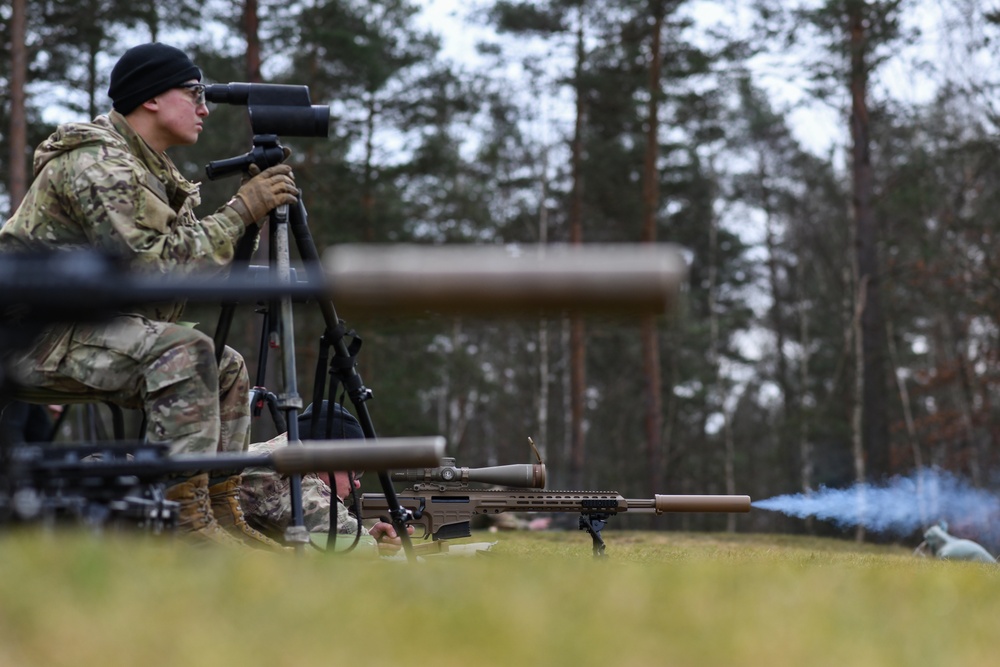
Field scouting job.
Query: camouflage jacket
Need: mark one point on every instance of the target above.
(100, 185)
(267, 505)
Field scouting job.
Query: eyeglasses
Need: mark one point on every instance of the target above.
(199, 92)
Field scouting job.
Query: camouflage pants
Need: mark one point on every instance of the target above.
(169, 370)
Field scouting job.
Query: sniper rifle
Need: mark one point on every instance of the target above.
(442, 501)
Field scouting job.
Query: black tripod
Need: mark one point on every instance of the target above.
(279, 333)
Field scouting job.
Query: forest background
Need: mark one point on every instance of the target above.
(829, 167)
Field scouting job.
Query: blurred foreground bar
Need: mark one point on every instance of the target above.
(383, 454)
(504, 280)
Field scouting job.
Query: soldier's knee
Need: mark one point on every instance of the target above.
(231, 359)
(184, 354)
(232, 370)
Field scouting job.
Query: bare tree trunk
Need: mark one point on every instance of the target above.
(857, 405)
(367, 186)
(577, 377)
(650, 204)
(251, 28)
(875, 430)
(961, 395)
(729, 463)
(18, 184)
(806, 463)
(965, 396)
(567, 405)
(715, 344)
(904, 396)
(781, 375)
(671, 378)
(543, 389)
(456, 406)
(853, 342)
(911, 429)
(543, 323)
(577, 342)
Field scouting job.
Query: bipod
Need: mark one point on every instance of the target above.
(594, 524)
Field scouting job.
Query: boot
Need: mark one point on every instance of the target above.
(225, 498)
(194, 519)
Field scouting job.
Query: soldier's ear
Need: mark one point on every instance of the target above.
(151, 104)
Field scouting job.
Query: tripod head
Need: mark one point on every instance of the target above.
(267, 151)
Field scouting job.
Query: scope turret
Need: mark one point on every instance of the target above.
(519, 475)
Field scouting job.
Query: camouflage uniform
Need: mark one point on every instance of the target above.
(100, 185)
(264, 496)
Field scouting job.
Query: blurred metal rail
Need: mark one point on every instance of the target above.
(525, 280)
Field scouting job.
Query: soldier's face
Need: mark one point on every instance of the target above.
(342, 484)
(181, 115)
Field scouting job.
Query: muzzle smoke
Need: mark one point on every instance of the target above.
(899, 506)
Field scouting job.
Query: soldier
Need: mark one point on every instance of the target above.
(943, 545)
(264, 494)
(110, 185)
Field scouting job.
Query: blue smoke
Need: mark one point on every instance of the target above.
(899, 506)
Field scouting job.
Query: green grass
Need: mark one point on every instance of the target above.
(535, 599)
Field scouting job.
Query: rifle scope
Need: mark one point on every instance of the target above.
(274, 108)
(520, 475)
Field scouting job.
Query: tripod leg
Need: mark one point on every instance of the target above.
(344, 365)
(288, 399)
(241, 256)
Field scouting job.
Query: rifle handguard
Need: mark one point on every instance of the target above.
(382, 454)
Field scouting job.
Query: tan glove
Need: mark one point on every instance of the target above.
(265, 192)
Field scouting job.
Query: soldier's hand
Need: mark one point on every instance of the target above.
(385, 534)
(264, 192)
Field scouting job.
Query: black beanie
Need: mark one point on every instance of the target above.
(147, 70)
(345, 425)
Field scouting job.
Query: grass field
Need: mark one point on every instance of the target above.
(534, 599)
